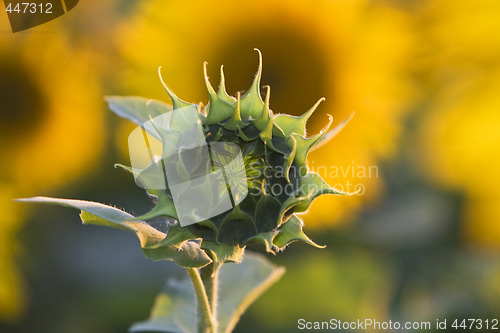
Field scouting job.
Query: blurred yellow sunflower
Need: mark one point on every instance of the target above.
(460, 135)
(51, 131)
(351, 52)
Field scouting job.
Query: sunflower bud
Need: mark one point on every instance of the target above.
(268, 183)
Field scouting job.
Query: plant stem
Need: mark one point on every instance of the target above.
(209, 275)
(206, 321)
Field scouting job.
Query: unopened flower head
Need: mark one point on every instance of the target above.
(249, 165)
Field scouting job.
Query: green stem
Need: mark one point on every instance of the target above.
(206, 321)
(209, 275)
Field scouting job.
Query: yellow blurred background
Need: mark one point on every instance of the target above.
(421, 240)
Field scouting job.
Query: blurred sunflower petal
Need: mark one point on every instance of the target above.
(459, 135)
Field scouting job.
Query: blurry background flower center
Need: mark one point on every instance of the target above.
(293, 61)
(23, 102)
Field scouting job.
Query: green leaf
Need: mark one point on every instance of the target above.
(147, 235)
(240, 285)
(154, 243)
(103, 215)
(173, 311)
(137, 109)
(291, 231)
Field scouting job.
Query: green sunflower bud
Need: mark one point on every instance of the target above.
(276, 180)
(222, 176)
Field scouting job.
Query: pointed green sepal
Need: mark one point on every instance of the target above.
(332, 133)
(220, 107)
(236, 227)
(211, 92)
(278, 132)
(218, 111)
(264, 123)
(288, 207)
(180, 246)
(292, 124)
(164, 207)
(292, 143)
(263, 120)
(176, 101)
(235, 122)
(188, 254)
(222, 93)
(251, 102)
(248, 133)
(305, 144)
(222, 253)
(176, 235)
(266, 135)
(265, 238)
(312, 186)
(267, 213)
(290, 232)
